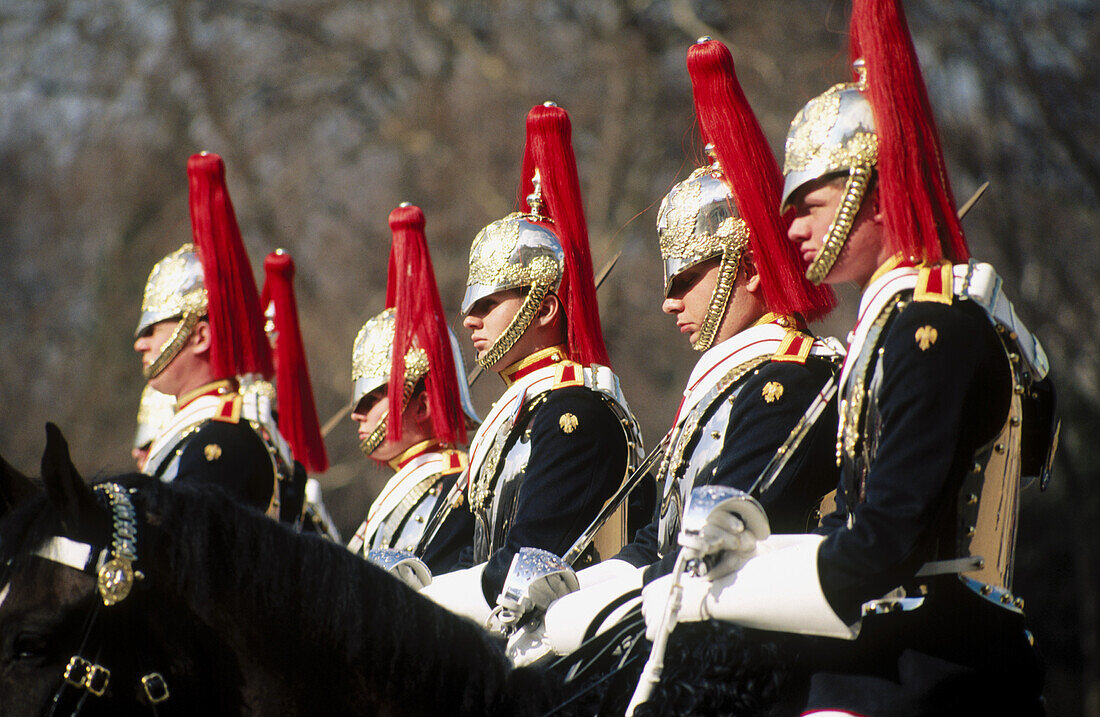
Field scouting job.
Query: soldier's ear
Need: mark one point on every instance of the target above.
(201, 337)
(423, 407)
(752, 276)
(549, 310)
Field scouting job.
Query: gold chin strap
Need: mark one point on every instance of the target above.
(719, 299)
(519, 324)
(173, 345)
(370, 444)
(854, 190)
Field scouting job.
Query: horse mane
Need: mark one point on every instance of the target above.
(323, 622)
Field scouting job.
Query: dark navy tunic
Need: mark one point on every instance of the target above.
(957, 653)
(756, 429)
(570, 474)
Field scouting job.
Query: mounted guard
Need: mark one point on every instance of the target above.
(201, 340)
(561, 440)
(412, 406)
(734, 285)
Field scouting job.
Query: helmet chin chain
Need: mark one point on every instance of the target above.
(855, 188)
(719, 299)
(516, 327)
(173, 345)
(371, 443)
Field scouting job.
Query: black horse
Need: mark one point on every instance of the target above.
(233, 613)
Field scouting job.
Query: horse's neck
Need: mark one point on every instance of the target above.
(312, 629)
(268, 620)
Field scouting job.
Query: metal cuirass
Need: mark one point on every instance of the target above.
(404, 526)
(494, 504)
(694, 451)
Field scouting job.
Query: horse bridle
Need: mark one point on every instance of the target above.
(113, 568)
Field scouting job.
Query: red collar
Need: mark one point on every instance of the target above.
(216, 388)
(413, 452)
(532, 363)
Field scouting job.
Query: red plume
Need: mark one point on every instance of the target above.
(297, 412)
(727, 121)
(239, 345)
(549, 149)
(914, 191)
(412, 293)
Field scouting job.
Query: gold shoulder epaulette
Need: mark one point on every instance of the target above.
(453, 462)
(229, 410)
(934, 283)
(568, 373)
(794, 348)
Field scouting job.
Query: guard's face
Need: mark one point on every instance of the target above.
(689, 297)
(149, 345)
(490, 316)
(368, 413)
(815, 207)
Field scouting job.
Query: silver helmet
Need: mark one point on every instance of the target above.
(514, 252)
(698, 221)
(175, 289)
(834, 134)
(372, 359)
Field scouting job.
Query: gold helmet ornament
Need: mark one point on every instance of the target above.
(371, 360)
(834, 134)
(515, 252)
(174, 290)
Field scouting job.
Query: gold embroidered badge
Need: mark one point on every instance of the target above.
(926, 336)
(568, 422)
(212, 451)
(773, 391)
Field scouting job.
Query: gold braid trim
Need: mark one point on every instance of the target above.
(854, 190)
(173, 345)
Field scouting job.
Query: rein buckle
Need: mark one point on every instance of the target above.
(87, 675)
(76, 672)
(97, 679)
(156, 689)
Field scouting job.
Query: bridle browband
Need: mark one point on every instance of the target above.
(113, 568)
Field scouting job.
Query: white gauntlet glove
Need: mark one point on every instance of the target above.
(535, 579)
(720, 527)
(777, 589)
(460, 592)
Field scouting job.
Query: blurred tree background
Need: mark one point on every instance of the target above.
(331, 112)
